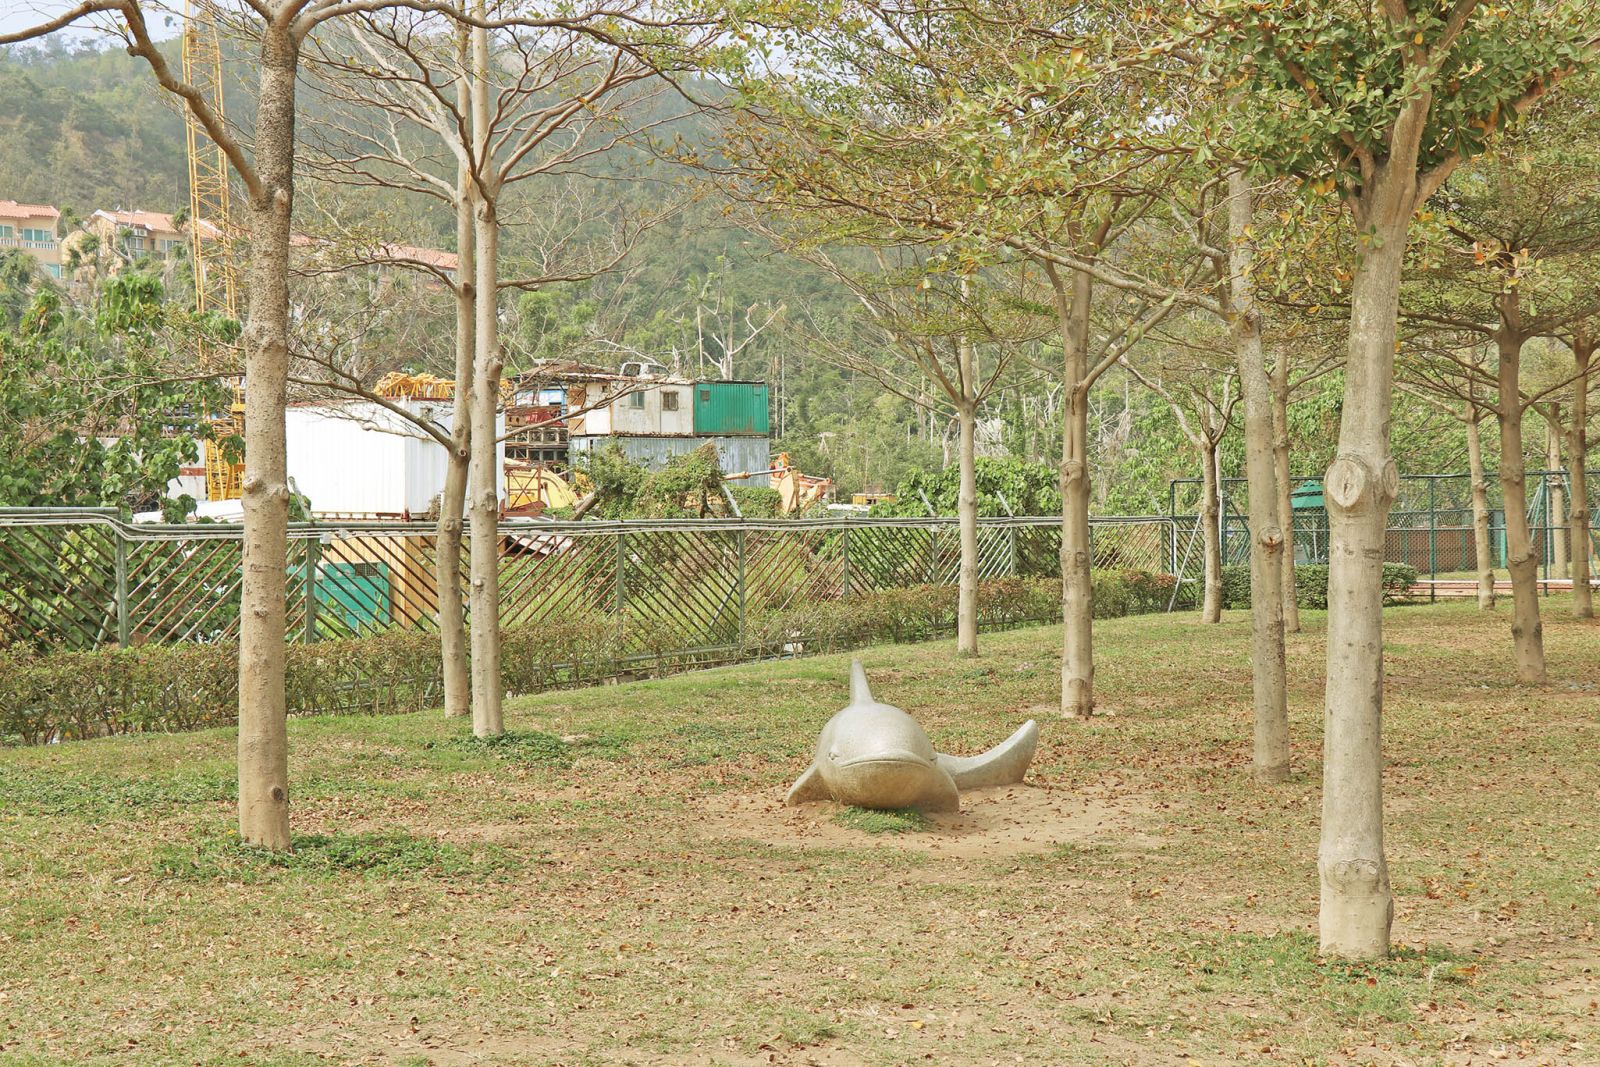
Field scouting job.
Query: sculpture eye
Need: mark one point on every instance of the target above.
(833, 754)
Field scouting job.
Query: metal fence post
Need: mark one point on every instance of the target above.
(622, 566)
(123, 628)
(1011, 533)
(740, 536)
(313, 561)
(1433, 541)
(844, 551)
(1548, 539)
(1222, 521)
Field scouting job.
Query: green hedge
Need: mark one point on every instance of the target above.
(71, 695)
(1311, 584)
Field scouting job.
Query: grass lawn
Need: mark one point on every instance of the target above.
(617, 881)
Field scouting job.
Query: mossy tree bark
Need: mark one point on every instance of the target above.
(1270, 691)
(1210, 531)
(1280, 463)
(967, 495)
(1357, 906)
(967, 511)
(484, 573)
(453, 501)
(1073, 296)
(1482, 550)
(1556, 499)
(268, 178)
(1527, 632)
(1578, 506)
(263, 724)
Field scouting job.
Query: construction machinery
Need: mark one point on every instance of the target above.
(402, 385)
(796, 491)
(398, 385)
(532, 490)
(216, 283)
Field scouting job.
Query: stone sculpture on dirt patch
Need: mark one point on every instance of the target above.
(874, 755)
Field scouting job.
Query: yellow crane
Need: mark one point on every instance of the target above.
(216, 283)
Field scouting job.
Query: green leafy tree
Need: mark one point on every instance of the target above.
(986, 131)
(688, 485)
(20, 280)
(1004, 486)
(1378, 103)
(1516, 256)
(89, 414)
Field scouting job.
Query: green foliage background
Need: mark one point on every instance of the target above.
(88, 130)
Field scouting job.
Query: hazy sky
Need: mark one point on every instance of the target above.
(20, 14)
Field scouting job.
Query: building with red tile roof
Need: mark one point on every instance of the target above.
(32, 228)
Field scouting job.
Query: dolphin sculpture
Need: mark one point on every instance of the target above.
(874, 755)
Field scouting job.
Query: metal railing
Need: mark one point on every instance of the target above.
(82, 578)
(1430, 524)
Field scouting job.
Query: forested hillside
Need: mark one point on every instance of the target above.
(86, 129)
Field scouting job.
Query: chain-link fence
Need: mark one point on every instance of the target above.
(82, 579)
(1430, 525)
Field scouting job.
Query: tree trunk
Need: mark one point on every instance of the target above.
(1556, 501)
(263, 724)
(1357, 907)
(1482, 552)
(1280, 456)
(967, 508)
(1578, 506)
(1210, 534)
(452, 503)
(487, 694)
(1077, 597)
(1527, 633)
(1266, 528)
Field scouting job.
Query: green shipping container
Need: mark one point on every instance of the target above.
(731, 409)
(1307, 497)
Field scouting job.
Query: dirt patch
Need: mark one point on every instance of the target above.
(444, 1047)
(992, 823)
(463, 1047)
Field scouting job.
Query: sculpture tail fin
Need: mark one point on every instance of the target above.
(1004, 764)
(860, 692)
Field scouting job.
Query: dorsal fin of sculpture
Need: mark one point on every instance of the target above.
(860, 692)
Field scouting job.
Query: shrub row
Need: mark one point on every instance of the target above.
(1311, 584)
(70, 695)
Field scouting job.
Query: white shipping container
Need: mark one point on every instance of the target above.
(659, 408)
(360, 458)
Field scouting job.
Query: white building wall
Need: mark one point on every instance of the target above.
(621, 416)
(193, 485)
(425, 467)
(651, 415)
(360, 458)
(597, 421)
(194, 481)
